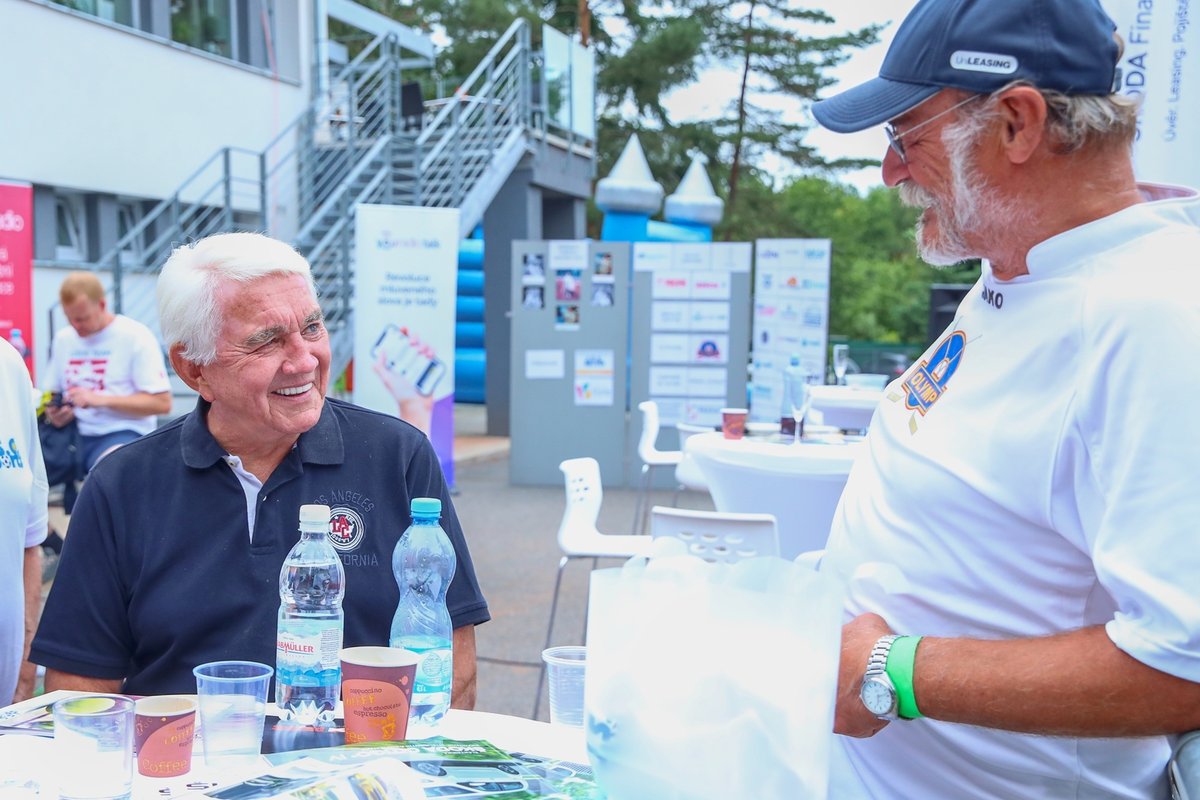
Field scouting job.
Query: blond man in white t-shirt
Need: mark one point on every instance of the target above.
(108, 370)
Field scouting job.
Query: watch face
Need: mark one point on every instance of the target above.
(877, 696)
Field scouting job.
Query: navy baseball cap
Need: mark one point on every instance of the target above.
(981, 46)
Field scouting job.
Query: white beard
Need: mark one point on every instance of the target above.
(975, 208)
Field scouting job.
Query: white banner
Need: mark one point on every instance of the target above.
(791, 315)
(1161, 64)
(405, 290)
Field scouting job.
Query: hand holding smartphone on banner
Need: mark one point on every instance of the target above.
(410, 371)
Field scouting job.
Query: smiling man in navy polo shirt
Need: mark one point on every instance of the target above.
(177, 539)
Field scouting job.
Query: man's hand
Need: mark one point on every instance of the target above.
(60, 416)
(851, 717)
(85, 398)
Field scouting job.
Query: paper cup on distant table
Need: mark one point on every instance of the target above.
(733, 422)
(164, 728)
(377, 684)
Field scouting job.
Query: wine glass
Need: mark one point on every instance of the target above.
(800, 399)
(841, 360)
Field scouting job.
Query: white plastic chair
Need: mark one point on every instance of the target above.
(578, 536)
(687, 474)
(651, 457)
(715, 535)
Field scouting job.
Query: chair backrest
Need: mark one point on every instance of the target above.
(715, 535)
(687, 473)
(803, 503)
(584, 495)
(647, 445)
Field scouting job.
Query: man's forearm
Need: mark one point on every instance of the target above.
(141, 404)
(1072, 684)
(32, 577)
(462, 694)
(81, 683)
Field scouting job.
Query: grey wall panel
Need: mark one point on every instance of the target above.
(547, 423)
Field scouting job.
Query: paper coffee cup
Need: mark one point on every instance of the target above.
(163, 730)
(733, 422)
(377, 684)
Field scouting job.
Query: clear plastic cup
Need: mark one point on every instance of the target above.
(93, 740)
(233, 707)
(566, 668)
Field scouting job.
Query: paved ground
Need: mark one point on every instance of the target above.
(512, 534)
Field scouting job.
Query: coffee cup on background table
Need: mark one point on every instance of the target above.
(733, 422)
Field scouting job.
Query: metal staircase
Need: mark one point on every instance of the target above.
(355, 148)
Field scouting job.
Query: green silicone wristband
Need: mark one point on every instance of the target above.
(900, 670)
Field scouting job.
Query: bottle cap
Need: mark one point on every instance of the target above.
(314, 515)
(426, 507)
(795, 360)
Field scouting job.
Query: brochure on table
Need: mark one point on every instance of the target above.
(791, 316)
(691, 329)
(570, 318)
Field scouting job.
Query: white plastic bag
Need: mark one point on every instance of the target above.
(711, 681)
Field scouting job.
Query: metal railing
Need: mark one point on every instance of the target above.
(351, 147)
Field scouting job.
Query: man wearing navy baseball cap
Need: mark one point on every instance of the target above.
(1032, 475)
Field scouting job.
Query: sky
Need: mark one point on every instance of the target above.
(718, 88)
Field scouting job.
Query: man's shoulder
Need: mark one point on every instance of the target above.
(130, 327)
(360, 415)
(146, 453)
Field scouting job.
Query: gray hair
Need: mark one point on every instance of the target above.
(187, 287)
(1075, 121)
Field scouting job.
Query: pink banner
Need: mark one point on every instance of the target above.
(16, 266)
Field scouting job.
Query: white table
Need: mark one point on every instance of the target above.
(798, 483)
(32, 758)
(847, 407)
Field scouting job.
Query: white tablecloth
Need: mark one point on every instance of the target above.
(799, 483)
(848, 407)
(31, 760)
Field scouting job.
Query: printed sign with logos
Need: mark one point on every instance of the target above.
(405, 290)
(1160, 66)
(791, 309)
(16, 267)
(689, 372)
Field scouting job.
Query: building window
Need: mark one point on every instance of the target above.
(203, 24)
(71, 244)
(127, 219)
(119, 11)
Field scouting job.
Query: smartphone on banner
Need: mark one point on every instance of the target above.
(408, 362)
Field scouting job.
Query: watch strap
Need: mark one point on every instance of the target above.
(900, 660)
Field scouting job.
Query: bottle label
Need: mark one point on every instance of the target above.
(435, 667)
(306, 652)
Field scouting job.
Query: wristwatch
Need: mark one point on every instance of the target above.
(877, 692)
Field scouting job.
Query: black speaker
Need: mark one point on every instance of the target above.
(412, 106)
(943, 303)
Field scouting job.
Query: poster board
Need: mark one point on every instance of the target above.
(16, 264)
(791, 315)
(405, 289)
(691, 338)
(1161, 66)
(570, 340)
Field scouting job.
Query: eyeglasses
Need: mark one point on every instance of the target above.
(894, 136)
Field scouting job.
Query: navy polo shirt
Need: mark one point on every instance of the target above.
(159, 572)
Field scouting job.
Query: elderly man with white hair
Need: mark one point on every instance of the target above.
(177, 540)
(1033, 473)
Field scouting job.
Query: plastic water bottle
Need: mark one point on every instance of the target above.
(794, 385)
(16, 338)
(312, 582)
(424, 563)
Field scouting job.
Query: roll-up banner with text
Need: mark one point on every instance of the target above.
(16, 264)
(405, 290)
(1161, 65)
